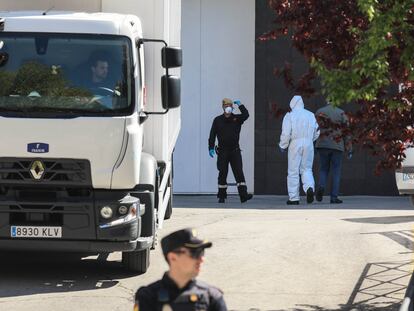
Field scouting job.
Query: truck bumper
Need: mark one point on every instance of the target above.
(85, 219)
(83, 227)
(73, 246)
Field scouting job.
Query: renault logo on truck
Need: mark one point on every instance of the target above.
(37, 169)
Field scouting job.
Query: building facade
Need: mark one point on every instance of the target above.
(223, 58)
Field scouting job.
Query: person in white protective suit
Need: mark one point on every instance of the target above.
(299, 131)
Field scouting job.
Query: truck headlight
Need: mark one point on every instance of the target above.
(122, 210)
(106, 212)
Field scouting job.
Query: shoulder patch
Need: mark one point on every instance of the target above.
(201, 284)
(149, 290)
(214, 291)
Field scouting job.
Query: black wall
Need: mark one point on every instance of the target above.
(358, 176)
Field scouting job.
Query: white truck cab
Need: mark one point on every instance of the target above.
(74, 175)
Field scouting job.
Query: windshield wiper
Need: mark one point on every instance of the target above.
(14, 109)
(35, 109)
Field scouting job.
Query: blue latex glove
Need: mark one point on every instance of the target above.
(349, 155)
(211, 153)
(282, 150)
(237, 102)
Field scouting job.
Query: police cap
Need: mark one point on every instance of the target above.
(183, 238)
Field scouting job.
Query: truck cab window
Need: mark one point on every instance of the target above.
(75, 74)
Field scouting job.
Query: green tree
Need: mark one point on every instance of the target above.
(362, 52)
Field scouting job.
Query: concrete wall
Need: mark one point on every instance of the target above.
(218, 45)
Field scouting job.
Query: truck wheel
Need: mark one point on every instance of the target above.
(136, 261)
(168, 211)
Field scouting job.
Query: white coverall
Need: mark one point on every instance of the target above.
(299, 131)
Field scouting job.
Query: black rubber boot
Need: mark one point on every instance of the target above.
(222, 195)
(336, 201)
(319, 194)
(309, 195)
(244, 196)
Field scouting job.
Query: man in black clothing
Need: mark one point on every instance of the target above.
(227, 129)
(98, 71)
(178, 290)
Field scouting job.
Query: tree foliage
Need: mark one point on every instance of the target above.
(363, 52)
(47, 81)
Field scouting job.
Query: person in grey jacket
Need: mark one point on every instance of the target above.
(331, 145)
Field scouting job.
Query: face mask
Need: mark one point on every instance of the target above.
(228, 110)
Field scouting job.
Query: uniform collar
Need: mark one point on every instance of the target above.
(168, 282)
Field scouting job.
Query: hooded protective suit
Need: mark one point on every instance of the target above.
(299, 131)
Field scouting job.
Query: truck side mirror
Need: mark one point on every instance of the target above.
(171, 57)
(170, 91)
(4, 56)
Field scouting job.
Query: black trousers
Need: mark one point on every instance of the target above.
(234, 158)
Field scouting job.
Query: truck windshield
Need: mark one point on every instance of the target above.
(60, 74)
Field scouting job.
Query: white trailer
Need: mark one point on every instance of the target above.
(88, 128)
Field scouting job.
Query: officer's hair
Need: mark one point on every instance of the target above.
(172, 251)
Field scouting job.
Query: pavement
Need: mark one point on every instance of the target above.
(266, 256)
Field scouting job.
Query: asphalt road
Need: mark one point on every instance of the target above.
(266, 256)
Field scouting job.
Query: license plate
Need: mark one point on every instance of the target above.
(35, 232)
(408, 176)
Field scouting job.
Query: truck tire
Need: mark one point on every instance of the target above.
(168, 211)
(136, 261)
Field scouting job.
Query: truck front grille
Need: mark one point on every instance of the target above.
(66, 207)
(48, 171)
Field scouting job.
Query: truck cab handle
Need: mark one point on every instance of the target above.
(143, 116)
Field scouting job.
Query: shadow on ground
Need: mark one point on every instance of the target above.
(380, 287)
(39, 273)
(403, 237)
(360, 307)
(356, 307)
(382, 220)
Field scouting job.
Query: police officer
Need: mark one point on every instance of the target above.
(178, 290)
(226, 128)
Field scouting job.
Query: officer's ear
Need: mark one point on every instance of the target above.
(171, 257)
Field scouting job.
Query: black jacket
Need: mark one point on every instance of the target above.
(194, 296)
(227, 130)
